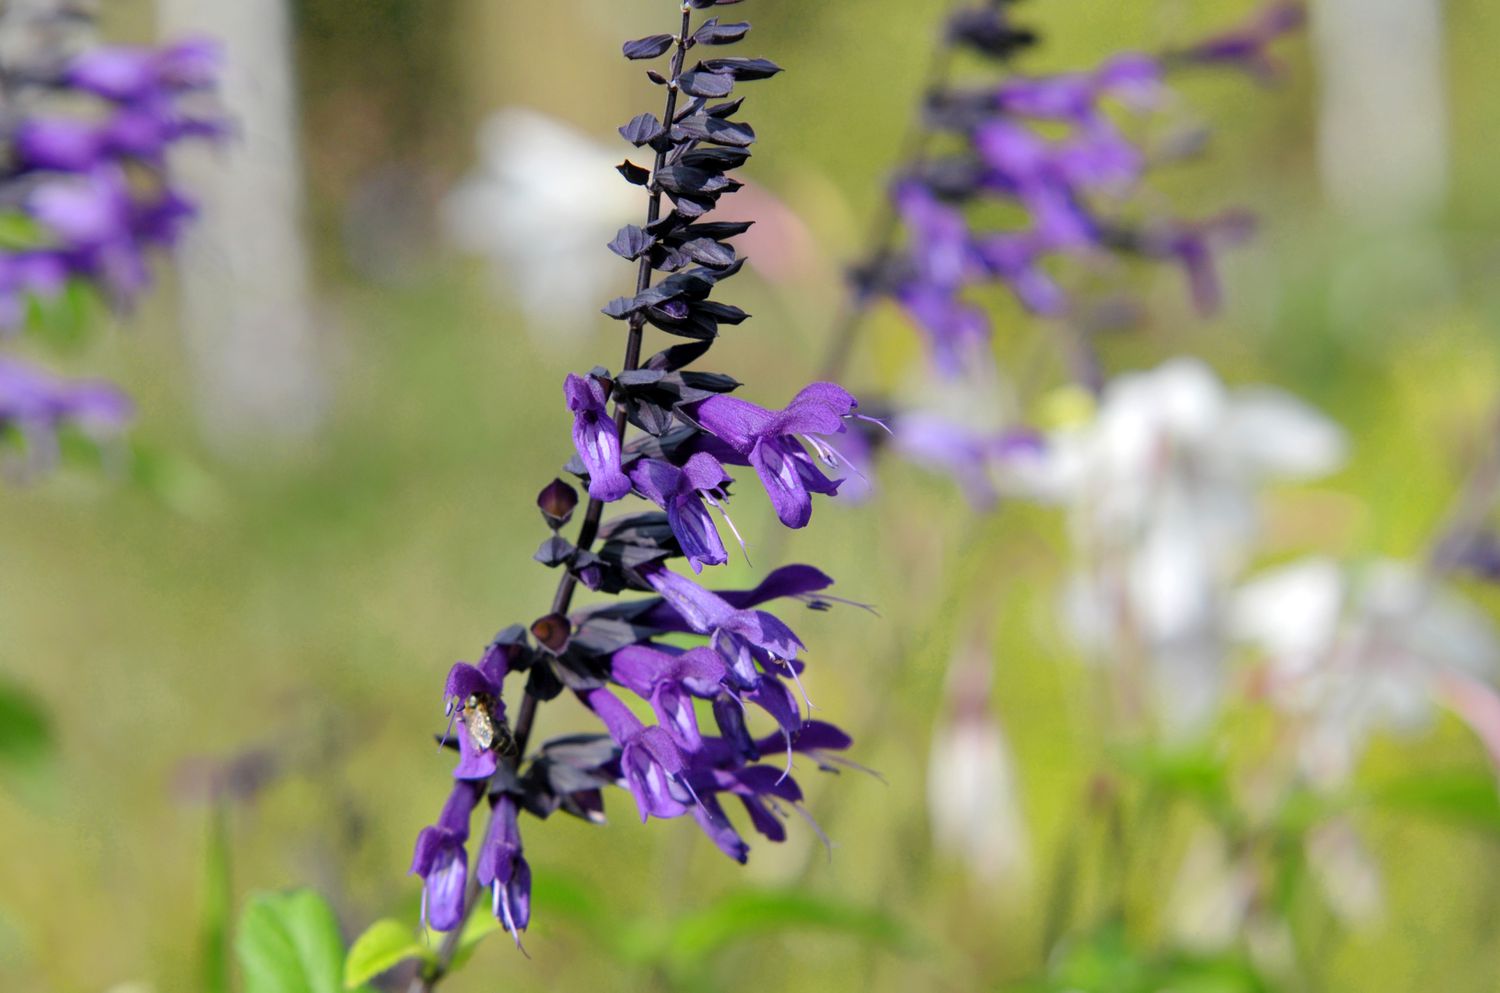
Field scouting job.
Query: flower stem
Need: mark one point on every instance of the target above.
(886, 225)
(426, 981)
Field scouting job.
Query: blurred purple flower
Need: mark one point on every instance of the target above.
(70, 167)
(1052, 145)
(36, 405)
(1247, 47)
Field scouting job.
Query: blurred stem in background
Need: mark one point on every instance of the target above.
(218, 900)
(886, 225)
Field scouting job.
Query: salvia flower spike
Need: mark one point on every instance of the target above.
(664, 436)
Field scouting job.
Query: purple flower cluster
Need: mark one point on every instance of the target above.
(85, 191)
(87, 166)
(35, 405)
(702, 666)
(1052, 146)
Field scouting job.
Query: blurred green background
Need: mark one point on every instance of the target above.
(307, 606)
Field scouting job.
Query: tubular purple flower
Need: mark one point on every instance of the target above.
(649, 760)
(472, 698)
(711, 818)
(1192, 246)
(742, 637)
(441, 861)
(38, 405)
(729, 715)
(772, 442)
(503, 868)
(669, 682)
(596, 437)
(1247, 47)
(94, 178)
(126, 74)
(681, 492)
(60, 143)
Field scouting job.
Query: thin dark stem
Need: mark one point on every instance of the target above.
(886, 225)
(593, 514)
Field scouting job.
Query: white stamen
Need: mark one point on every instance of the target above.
(798, 680)
(788, 770)
(827, 844)
(724, 513)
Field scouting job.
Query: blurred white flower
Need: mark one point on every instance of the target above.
(1345, 871)
(544, 200)
(973, 797)
(541, 204)
(1352, 652)
(1213, 895)
(1162, 486)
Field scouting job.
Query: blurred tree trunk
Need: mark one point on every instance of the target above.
(246, 307)
(1383, 115)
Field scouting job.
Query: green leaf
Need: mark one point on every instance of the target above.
(63, 321)
(385, 944)
(25, 729)
(214, 918)
(290, 943)
(1467, 799)
(177, 482)
(1191, 773)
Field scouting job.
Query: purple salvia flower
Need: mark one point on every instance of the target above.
(441, 860)
(769, 441)
(681, 493)
(504, 870)
(945, 264)
(36, 405)
(1247, 47)
(729, 715)
(595, 437)
(1131, 78)
(671, 613)
(743, 637)
(1192, 246)
(711, 818)
(471, 697)
(1015, 258)
(125, 74)
(63, 144)
(1045, 178)
(669, 682)
(650, 760)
